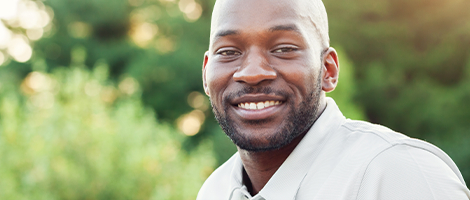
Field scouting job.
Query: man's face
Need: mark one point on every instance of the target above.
(263, 72)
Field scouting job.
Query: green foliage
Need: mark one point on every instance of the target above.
(346, 89)
(72, 134)
(404, 64)
(411, 66)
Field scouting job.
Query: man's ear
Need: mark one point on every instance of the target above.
(204, 64)
(330, 70)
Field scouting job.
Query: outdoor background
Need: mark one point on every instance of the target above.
(103, 99)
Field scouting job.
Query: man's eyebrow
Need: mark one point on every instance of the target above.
(288, 27)
(226, 33)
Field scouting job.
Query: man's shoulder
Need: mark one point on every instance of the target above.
(381, 141)
(362, 140)
(368, 156)
(384, 139)
(402, 165)
(373, 132)
(412, 169)
(218, 183)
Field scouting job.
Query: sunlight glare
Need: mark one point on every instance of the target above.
(2, 58)
(35, 34)
(5, 36)
(191, 123)
(19, 49)
(8, 9)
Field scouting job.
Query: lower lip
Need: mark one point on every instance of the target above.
(260, 114)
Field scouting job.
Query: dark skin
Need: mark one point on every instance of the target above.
(266, 43)
(261, 166)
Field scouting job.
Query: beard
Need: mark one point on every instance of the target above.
(300, 118)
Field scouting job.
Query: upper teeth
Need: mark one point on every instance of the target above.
(258, 105)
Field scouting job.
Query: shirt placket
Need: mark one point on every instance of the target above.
(242, 194)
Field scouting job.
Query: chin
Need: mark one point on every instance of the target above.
(257, 136)
(259, 139)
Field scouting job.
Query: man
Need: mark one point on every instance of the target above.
(267, 70)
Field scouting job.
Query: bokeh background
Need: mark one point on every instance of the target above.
(103, 99)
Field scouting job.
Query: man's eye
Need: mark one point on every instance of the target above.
(285, 50)
(229, 53)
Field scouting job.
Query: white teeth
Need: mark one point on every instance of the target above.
(258, 105)
(252, 106)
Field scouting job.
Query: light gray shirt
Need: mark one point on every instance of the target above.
(346, 159)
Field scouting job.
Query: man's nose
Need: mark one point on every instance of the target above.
(255, 69)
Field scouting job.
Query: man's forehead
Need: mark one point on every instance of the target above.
(235, 15)
(228, 14)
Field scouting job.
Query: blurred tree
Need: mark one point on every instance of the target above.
(411, 66)
(159, 43)
(346, 88)
(74, 134)
(405, 64)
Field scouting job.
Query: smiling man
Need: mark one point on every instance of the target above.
(267, 70)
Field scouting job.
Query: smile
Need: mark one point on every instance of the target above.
(258, 105)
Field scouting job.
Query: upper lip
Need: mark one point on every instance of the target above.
(256, 98)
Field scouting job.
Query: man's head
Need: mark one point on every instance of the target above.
(267, 52)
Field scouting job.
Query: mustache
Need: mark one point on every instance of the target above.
(254, 90)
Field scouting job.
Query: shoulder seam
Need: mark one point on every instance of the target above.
(365, 131)
(368, 164)
(393, 145)
(419, 166)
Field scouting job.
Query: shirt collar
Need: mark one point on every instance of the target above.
(291, 173)
(236, 180)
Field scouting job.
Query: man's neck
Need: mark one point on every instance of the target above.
(259, 167)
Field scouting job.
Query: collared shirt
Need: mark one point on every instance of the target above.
(341, 158)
